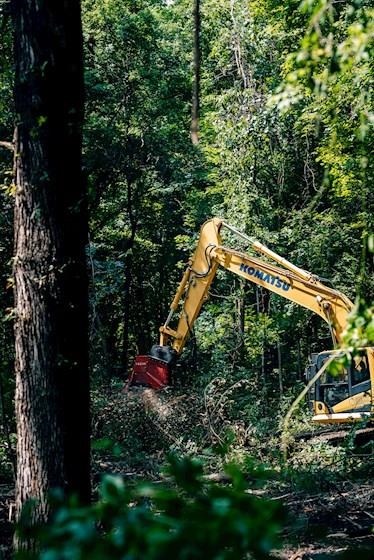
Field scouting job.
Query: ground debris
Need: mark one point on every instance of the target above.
(335, 524)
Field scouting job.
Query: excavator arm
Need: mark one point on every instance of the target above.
(290, 282)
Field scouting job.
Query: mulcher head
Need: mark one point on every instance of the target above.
(153, 370)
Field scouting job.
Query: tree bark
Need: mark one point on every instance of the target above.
(51, 302)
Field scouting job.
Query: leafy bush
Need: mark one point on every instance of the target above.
(190, 518)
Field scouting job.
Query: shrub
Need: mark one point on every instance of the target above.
(190, 518)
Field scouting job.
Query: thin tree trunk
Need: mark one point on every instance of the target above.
(128, 276)
(51, 327)
(240, 312)
(196, 73)
(241, 65)
(280, 372)
(299, 367)
(260, 309)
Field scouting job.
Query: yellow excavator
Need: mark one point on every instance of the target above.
(332, 398)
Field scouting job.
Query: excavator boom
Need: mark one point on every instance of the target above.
(290, 282)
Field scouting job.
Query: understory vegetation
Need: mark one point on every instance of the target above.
(173, 477)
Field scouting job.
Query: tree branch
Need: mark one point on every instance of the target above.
(7, 145)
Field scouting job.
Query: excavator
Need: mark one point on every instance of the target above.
(333, 398)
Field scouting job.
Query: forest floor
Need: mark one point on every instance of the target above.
(322, 525)
(328, 523)
(330, 511)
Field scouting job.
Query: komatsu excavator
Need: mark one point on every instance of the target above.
(332, 398)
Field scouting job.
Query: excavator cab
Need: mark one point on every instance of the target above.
(344, 393)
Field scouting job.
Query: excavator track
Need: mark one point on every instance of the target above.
(361, 436)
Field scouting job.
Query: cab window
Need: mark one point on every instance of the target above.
(360, 370)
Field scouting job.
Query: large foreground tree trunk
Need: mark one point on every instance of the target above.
(52, 399)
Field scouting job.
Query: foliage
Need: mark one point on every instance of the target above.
(139, 163)
(360, 329)
(284, 154)
(298, 180)
(189, 518)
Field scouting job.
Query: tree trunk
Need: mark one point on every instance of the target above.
(280, 366)
(51, 327)
(196, 73)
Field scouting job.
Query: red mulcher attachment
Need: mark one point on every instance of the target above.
(150, 372)
(153, 370)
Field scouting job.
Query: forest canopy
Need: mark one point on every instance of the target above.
(285, 137)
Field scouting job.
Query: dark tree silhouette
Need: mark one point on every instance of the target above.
(52, 388)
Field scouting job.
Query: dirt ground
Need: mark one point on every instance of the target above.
(330, 523)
